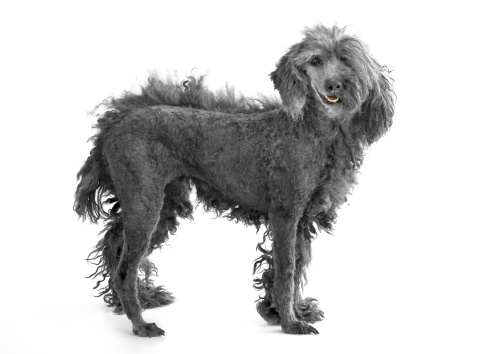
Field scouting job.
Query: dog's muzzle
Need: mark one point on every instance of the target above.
(327, 100)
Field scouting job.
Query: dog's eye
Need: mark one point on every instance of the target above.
(316, 61)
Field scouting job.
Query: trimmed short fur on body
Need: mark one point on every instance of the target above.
(287, 167)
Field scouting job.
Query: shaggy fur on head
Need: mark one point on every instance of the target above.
(287, 167)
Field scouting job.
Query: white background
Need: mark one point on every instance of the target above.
(403, 272)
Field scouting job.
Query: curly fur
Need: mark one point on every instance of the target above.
(287, 166)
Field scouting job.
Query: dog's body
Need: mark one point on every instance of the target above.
(286, 169)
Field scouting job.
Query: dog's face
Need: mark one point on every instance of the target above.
(337, 72)
(328, 77)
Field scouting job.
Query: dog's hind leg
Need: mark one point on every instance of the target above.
(284, 228)
(106, 257)
(176, 204)
(139, 184)
(149, 295)
(141, 214)
(107, 252)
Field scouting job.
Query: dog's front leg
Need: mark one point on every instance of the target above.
(284, 240)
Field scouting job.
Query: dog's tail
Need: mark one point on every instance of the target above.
(95, 183)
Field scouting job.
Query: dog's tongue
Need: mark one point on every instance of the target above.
(333, 98)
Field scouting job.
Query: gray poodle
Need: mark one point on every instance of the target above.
(287, 167)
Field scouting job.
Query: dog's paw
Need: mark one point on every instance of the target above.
(309, 311)
(298, 327)
(268, 312)
(148, 330)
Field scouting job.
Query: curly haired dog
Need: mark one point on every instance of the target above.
(288, 169)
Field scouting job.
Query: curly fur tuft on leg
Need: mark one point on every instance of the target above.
(265, 264)
(305, 309)
(106, 256)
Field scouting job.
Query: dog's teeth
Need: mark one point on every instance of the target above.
(332, 99)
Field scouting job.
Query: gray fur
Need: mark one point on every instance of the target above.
(289, 169)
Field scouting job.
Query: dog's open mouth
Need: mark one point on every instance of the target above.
(327, 100)
(331, 99)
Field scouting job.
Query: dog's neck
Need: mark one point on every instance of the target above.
(316, 120)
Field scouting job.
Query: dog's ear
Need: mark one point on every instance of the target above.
(377, 111)
(291, 82)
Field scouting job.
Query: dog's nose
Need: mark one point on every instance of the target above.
(333, 86)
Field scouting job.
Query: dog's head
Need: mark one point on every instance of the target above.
(336, 71)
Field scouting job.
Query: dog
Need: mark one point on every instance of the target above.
(287, 166)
